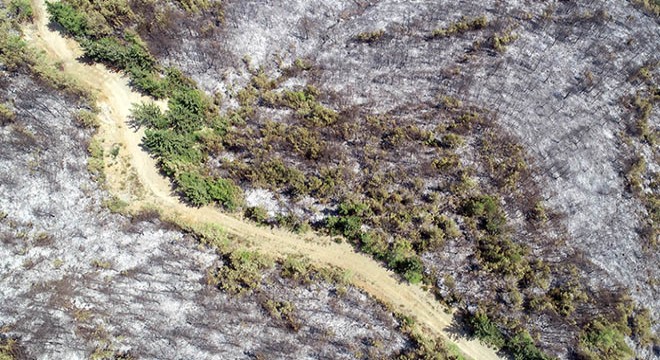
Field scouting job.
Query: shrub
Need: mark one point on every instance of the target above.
(296, 267)
(565, 296)
(224, 192)
(370, 37)
(13, 50)
(641, 327)
(485, 330)
(10, 349)
(452, 141)
(293, 223)
(21, 9)
(95, 162)
(432, 238)
(499, 41)
(284, 311)
(72, 21)
(149, 115)
(499, 253)
(87, 119)
(194, 188)
(463, 25)
(256, 214)
(6, 114)
(242, 271)
(404, 261)
(448, 226)
(522, 347)
(307, 107)
(488, 210)
(601, 340)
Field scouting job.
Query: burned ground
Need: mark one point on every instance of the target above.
(414, 110)
(80, 281)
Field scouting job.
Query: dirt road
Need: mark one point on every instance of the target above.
(115, 98)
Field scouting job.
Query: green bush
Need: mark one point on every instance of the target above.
(149, 115)
(124, 54)
(200, 190)
(404, 261)
(242, 271)
(224, 192)
(374, 243)
(130, 55)
(487, 209)
(348, 226)
(6, 114)
(522, 347)
(21, 9)
(147, 81)
(603, 341)
(172, 147)
(194, 188)
(257, 214)
(485, 330)
(72, 21)
(187, 110)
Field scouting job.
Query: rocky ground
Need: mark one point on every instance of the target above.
(77, 280)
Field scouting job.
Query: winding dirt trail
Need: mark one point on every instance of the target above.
(115, 98)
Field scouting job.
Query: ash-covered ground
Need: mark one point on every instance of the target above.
(77, 280)
(556, 85)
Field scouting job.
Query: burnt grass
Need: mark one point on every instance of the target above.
(79, 281)
(477, 148)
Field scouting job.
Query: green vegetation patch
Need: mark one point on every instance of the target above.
(601, 340)
(242, 272)
(21, 10)
(461, 26)
(10, 349)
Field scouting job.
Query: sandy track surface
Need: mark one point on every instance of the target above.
(115, 99)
